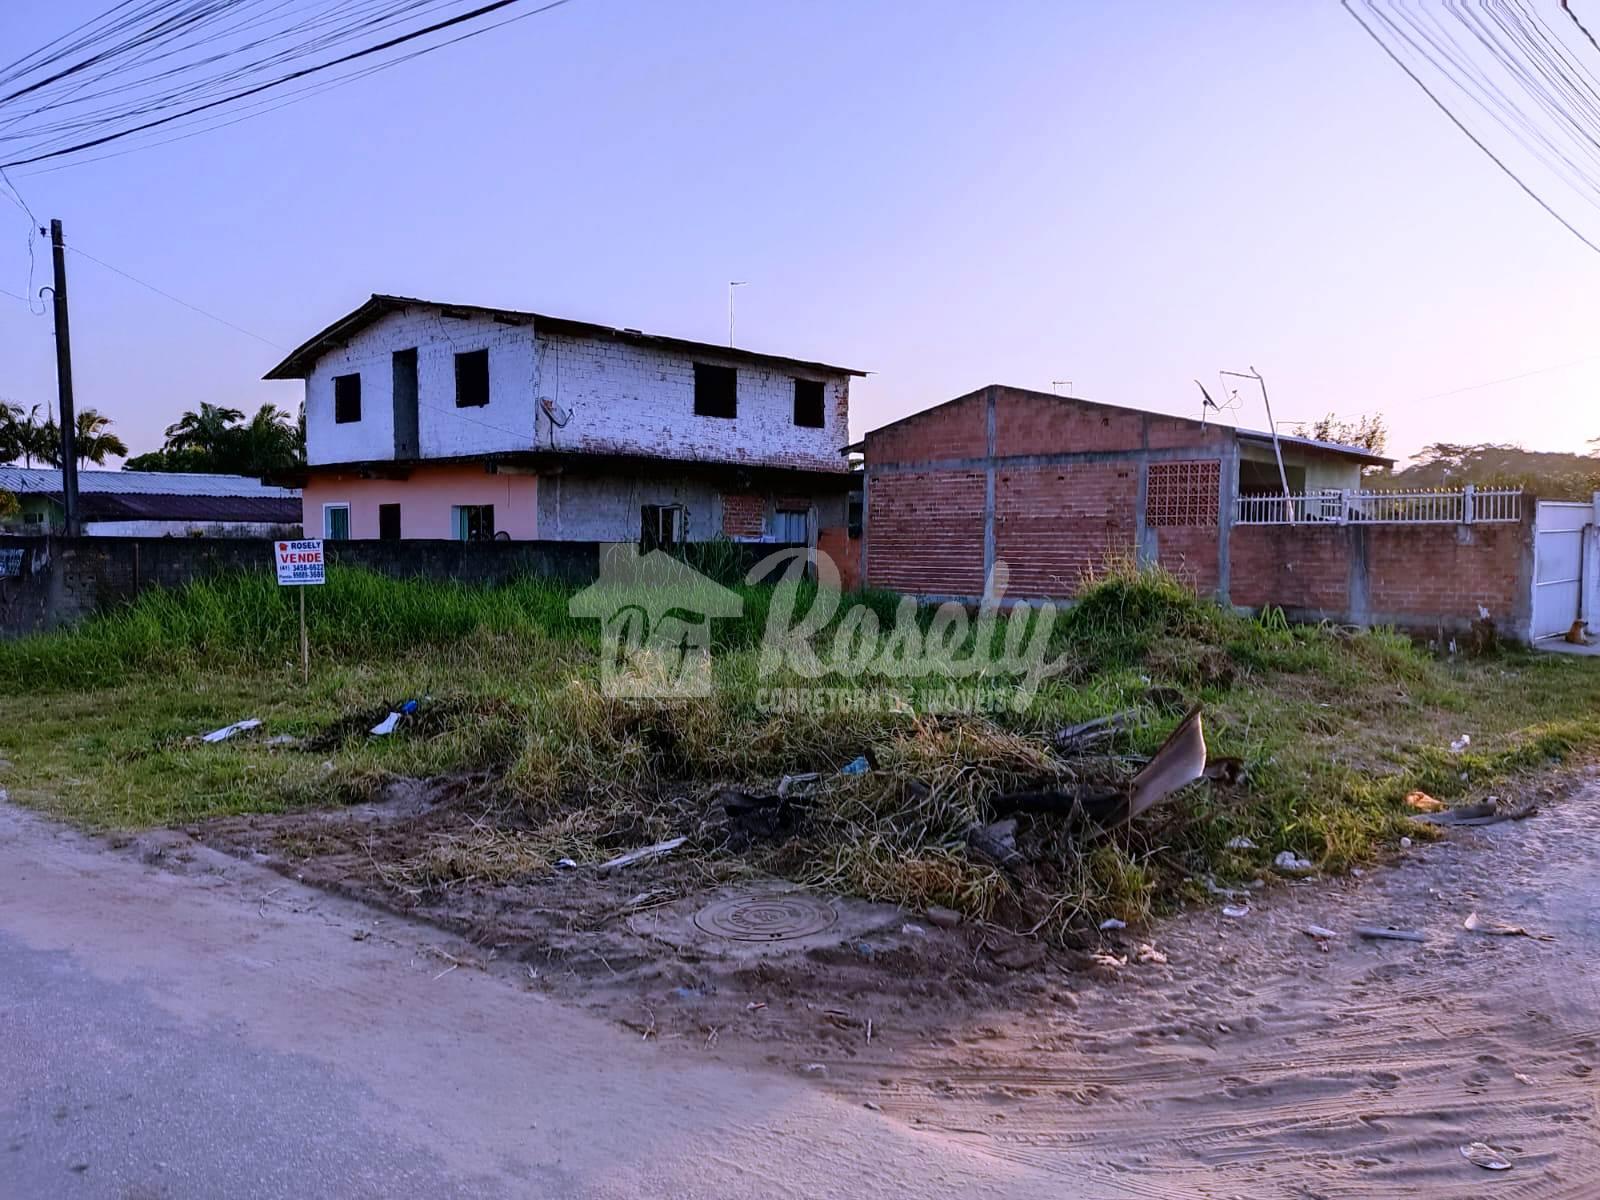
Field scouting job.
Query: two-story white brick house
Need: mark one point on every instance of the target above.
(432, 420)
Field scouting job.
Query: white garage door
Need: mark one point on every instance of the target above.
(1558, 566)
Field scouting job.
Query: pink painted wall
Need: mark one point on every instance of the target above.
(425, 500)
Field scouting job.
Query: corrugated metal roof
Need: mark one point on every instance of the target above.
(47, 480)
(300, 361)
(266, 510)
(1361, 452)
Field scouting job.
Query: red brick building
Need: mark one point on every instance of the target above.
(1052, 489)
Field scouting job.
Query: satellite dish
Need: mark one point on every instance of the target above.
(558, 415)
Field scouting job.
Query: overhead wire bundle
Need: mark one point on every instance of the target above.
(1521, 89)
(148, 71)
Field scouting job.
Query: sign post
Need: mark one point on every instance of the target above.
(301, 565)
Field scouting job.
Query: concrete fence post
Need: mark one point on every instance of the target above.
(1468, 496)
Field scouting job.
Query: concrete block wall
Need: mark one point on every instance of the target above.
(65, 580)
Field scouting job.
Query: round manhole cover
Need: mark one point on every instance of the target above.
(771, 918)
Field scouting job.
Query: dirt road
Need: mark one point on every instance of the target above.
(1257, 1063)
(217, 1028)
(218, 1031)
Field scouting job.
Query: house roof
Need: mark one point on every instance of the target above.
(300, 360)
(1367, 457)
(29, 480)
(161, 495)
(262, 510)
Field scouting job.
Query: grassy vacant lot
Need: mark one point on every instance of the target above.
(98, 725)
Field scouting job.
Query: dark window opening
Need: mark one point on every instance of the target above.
(1261, 478)
(389, 522)
(474, 522)
(853, 516)
(716, 391)
(346, 399)
(660, 526)
(472, 379)
(808, 403)
(404, 372)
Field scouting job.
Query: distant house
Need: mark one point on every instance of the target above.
(1055, 488)
(433, 420)
(151, 504)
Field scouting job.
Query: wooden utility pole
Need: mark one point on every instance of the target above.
(68, 419)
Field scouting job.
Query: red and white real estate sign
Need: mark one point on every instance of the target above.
(300, 563)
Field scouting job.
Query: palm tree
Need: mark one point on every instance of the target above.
(10, 431)
(208, 431)
(23, 435)
(94, 441)
(270, 442)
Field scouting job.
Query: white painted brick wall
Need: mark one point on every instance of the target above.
(443, 430)
(622, 398)
(631, 399)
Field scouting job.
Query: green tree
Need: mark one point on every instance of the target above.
(93, 440)
(1368, 431)
(24, 435)
(218, 439)
(1552, 476)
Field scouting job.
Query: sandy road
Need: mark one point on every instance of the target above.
(219, 1031)
(1258, 1064)
(211, 1028)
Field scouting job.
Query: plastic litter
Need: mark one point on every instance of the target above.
(1235, 910)
(1386, 933)
(856, 766)
(566, 864)
(1113, 923)
(227, 731)
(386, 726)
(1481, 1154)
(1461, 743)
(1240, 843)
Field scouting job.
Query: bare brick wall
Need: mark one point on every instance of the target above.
(1419, 576)
(743, 516)
(1052, 523)
(954, 430)
(927, 533)
(1301, 568)
(1055, 525)
(1445, 571)
(1191, 555)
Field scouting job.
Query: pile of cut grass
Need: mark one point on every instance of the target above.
(1335, 726)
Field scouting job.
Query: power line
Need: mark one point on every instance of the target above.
(233, 97)
(1473, 387)
(1461, 125)
(169, 296)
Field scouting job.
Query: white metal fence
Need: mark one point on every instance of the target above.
(1463, 506)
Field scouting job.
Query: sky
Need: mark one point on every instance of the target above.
(1126, 197)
